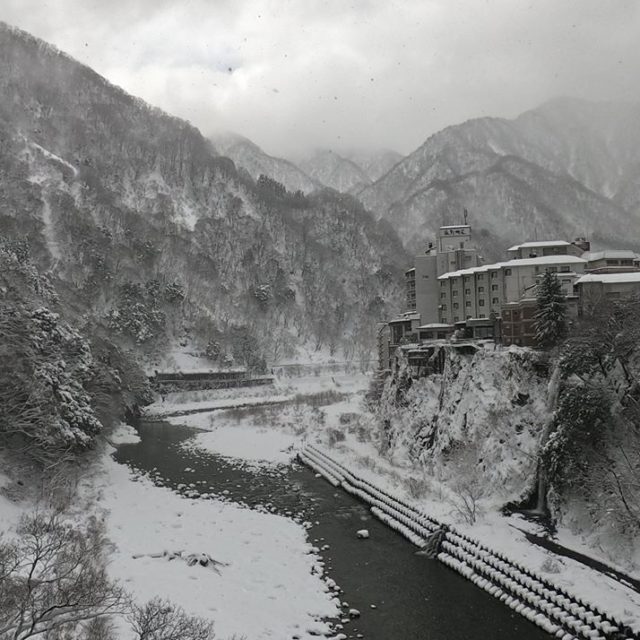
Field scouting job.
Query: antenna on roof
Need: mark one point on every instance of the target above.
(466, 214)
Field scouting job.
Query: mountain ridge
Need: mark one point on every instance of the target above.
(574, 152)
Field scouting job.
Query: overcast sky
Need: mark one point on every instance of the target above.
(346, 73)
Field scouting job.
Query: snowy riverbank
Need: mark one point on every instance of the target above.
(266, 586)
(345, 427)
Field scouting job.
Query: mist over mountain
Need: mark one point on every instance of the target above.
(249, 156)
(568, 168)
(348, 171)
(146, 229)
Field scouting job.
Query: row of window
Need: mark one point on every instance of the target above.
(481, 303)
(467, 292)
(507, 272)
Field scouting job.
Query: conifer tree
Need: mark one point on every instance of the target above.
(550, 319)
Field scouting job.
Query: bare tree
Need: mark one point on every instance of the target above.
(467, 493)
(53, 579)
(161, 620)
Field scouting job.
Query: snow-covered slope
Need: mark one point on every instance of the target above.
(253, 159)
(159, 239)
(333, 170)
(374, 162)
(348, 171)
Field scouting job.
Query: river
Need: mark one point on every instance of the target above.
(413, 598)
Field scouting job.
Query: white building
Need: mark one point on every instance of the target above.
(481, 291)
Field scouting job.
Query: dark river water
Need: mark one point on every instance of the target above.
(414, 598)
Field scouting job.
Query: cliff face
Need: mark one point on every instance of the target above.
(487, 424)
(569, 168)
(480, 420)
(158, 238)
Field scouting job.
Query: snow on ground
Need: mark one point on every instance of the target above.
(269, 586)
(284, 389)
(166, 408)
(124, 434)
(259, 445)
(180, 359)
(10, 510)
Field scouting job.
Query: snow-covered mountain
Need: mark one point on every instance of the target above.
(374, 162)
(567, 168)
(249, 156)
(335, 171)
(151, 233)
(348, 171)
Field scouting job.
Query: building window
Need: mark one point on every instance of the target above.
(494, 275)
(482, 315)
(565, 269)
(443, 307)
(495, 301)
(507, 272)
(480, 276)
(467, 292)
(443, 294)
(553, 269)
(455, 305)
(467, 303)
(480, 289)
(481, 303)
(443, 283)
(456, 319)
(454, 293)
(494, 287)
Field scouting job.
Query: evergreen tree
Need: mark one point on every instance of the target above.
(550, 319)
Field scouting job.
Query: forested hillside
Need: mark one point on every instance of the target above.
(148, 232)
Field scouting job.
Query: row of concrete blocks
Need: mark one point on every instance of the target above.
(547, 605)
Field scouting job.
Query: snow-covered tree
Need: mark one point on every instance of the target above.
(550, 319)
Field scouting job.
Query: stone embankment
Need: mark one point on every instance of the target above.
(549, 606)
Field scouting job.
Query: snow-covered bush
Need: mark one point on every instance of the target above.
(137, 314)
(44, 365)
(580, 424)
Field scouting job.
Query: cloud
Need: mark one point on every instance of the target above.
(338, 73)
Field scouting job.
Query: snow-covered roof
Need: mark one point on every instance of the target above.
(559, 260)
(539, 243)
(455, 226)
(612, 254)
(405, 317)
(610, 278)
(524, 262)
(435, 325)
